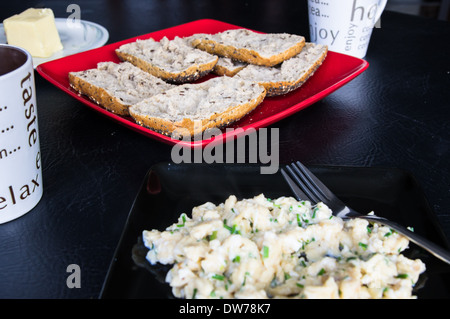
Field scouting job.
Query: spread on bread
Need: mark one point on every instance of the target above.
(249, 66)
(172, 60)
(280, 248)
(117, 86)
(190, 109)
(290, 74)
(267, 49)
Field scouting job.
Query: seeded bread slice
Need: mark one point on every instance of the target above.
(174, 61)
(228, 67)
(290, 74)
(116, 86)
(267, 49)
(190, 109)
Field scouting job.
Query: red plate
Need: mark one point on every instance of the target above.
(337, 70)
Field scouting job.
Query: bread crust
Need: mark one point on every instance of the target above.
(246, 55)
(98, 95)
(177, 129)
(284, 87)
(221, 70)
(276, 87)
(191, 74)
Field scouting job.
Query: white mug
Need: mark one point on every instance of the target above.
(344, 25)
(20, 157)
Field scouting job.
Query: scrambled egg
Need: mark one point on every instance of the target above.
(281, 248)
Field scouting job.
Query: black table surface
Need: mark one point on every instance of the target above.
(396, 114)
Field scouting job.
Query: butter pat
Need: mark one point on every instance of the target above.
(35, 31)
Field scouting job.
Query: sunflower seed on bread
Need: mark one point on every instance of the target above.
(116, 86)
(244, 45)
(290, 74)
(174, 60)
(190, 109)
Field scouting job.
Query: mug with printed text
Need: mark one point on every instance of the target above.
(344, 25)
(20, 156)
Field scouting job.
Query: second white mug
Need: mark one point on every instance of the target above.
(345, 26)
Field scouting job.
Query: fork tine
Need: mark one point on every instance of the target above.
(304, 183)
(314, 184)
(299, 194)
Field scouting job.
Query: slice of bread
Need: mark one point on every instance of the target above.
(267, 49)
(290, 74)
(116, 86)
(174, 61)
(190, 109)
(228, 67)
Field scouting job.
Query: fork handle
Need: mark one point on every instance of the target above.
(431, 247)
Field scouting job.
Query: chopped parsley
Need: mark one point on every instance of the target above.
(245, 278)
(212, 236)
(218, 277)
(299, 222)
(362, 245)
(232, 230)
(183, 218)
(314, 212)
(265, 252)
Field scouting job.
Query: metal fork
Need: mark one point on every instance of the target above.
(306, 186)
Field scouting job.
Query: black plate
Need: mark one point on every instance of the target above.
(169, 190)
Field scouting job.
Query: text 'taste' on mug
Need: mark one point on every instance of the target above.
(20, 156)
